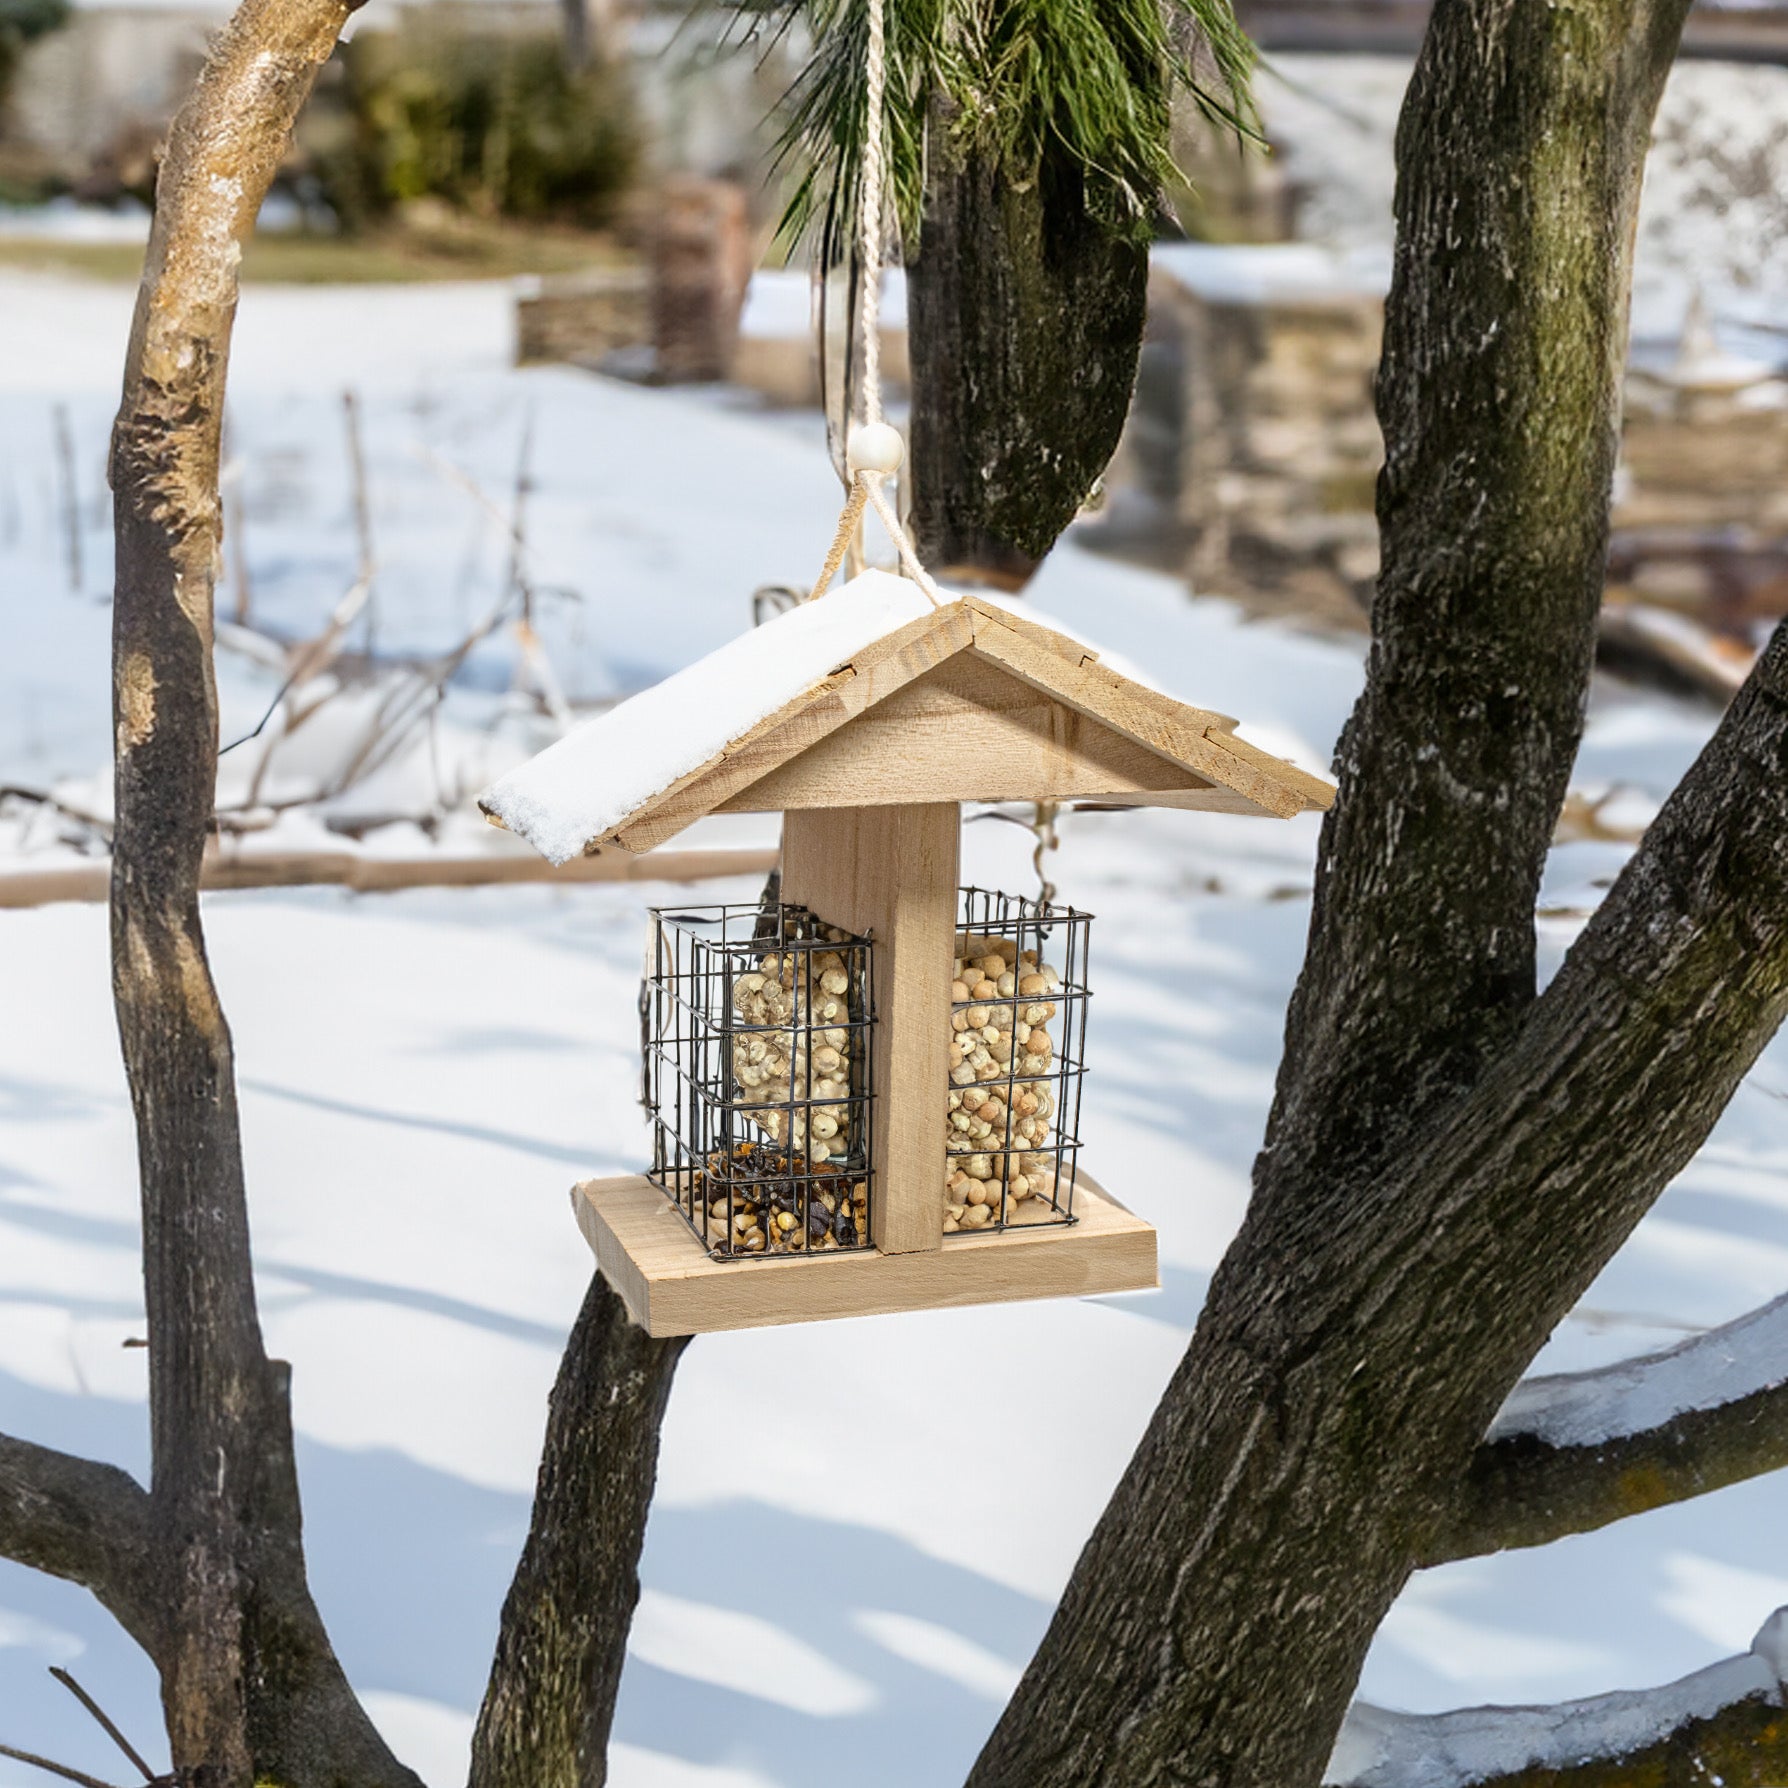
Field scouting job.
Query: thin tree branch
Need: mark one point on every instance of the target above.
(1575, 1452)
(104, 1720)
(54, 1769)
(1722, 1725)
(84, 1522)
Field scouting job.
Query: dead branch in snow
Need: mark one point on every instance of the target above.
(367, 561)
(531, 658)
(409, 696)
(71, 498)
(521, 589)
(364, 874)
(1670, 651)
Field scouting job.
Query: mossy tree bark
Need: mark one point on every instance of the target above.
(1449, 1161)
(1025, 326)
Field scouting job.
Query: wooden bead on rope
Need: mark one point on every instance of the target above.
(875, 447)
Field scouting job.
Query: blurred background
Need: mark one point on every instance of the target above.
(525, 413)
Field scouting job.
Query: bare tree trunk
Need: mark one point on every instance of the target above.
(1370, 1317)
(1025, 325)
(551, 1697)
(250, 1686)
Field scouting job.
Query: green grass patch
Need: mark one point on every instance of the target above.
(461, 249)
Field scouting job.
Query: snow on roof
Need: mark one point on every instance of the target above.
(604, 769)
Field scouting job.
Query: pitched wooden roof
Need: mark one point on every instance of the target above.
(872, 696)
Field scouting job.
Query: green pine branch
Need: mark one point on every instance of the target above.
(1082, 84)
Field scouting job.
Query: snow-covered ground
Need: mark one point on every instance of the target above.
(844, 1572)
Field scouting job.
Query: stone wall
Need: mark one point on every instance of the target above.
(582, 319)
(1253, 449)
(1253, 439)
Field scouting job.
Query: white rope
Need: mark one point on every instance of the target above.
(848, 523)
(902, 545)
(866, 482)
(874, 235)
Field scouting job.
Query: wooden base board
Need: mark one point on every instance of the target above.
(673, 1287)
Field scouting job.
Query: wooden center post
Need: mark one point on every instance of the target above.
(891, 872)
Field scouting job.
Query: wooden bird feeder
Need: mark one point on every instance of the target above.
(820, 1095)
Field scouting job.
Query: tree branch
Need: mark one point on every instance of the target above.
(212, 1391)
(84, 1522)
(1351, 1355)
(551, 1697)
(1445, 1162)
(250, 1686)
(1026, 310)
(1722, 1725)
(1572, 1453)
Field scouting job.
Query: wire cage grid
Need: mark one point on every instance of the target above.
(757, 1035)
(1018, 1122)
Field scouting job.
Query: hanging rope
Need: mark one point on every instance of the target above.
(873, 449)
(875, 81)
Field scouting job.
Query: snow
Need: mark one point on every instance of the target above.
(65, 220)
(1273, 272)
(1586, 1409)
(779, 303)
(607, 768)
(424, 1074)
(288, 339)
(1379, 1749)
(740, 1652)
(778, 306)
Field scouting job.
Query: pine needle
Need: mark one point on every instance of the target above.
(1083, 84)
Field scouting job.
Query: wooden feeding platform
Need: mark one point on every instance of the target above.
(867, 718)
(673, 1287)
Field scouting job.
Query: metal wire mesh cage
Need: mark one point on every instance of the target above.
(1017, 1054)
(757, 1027)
